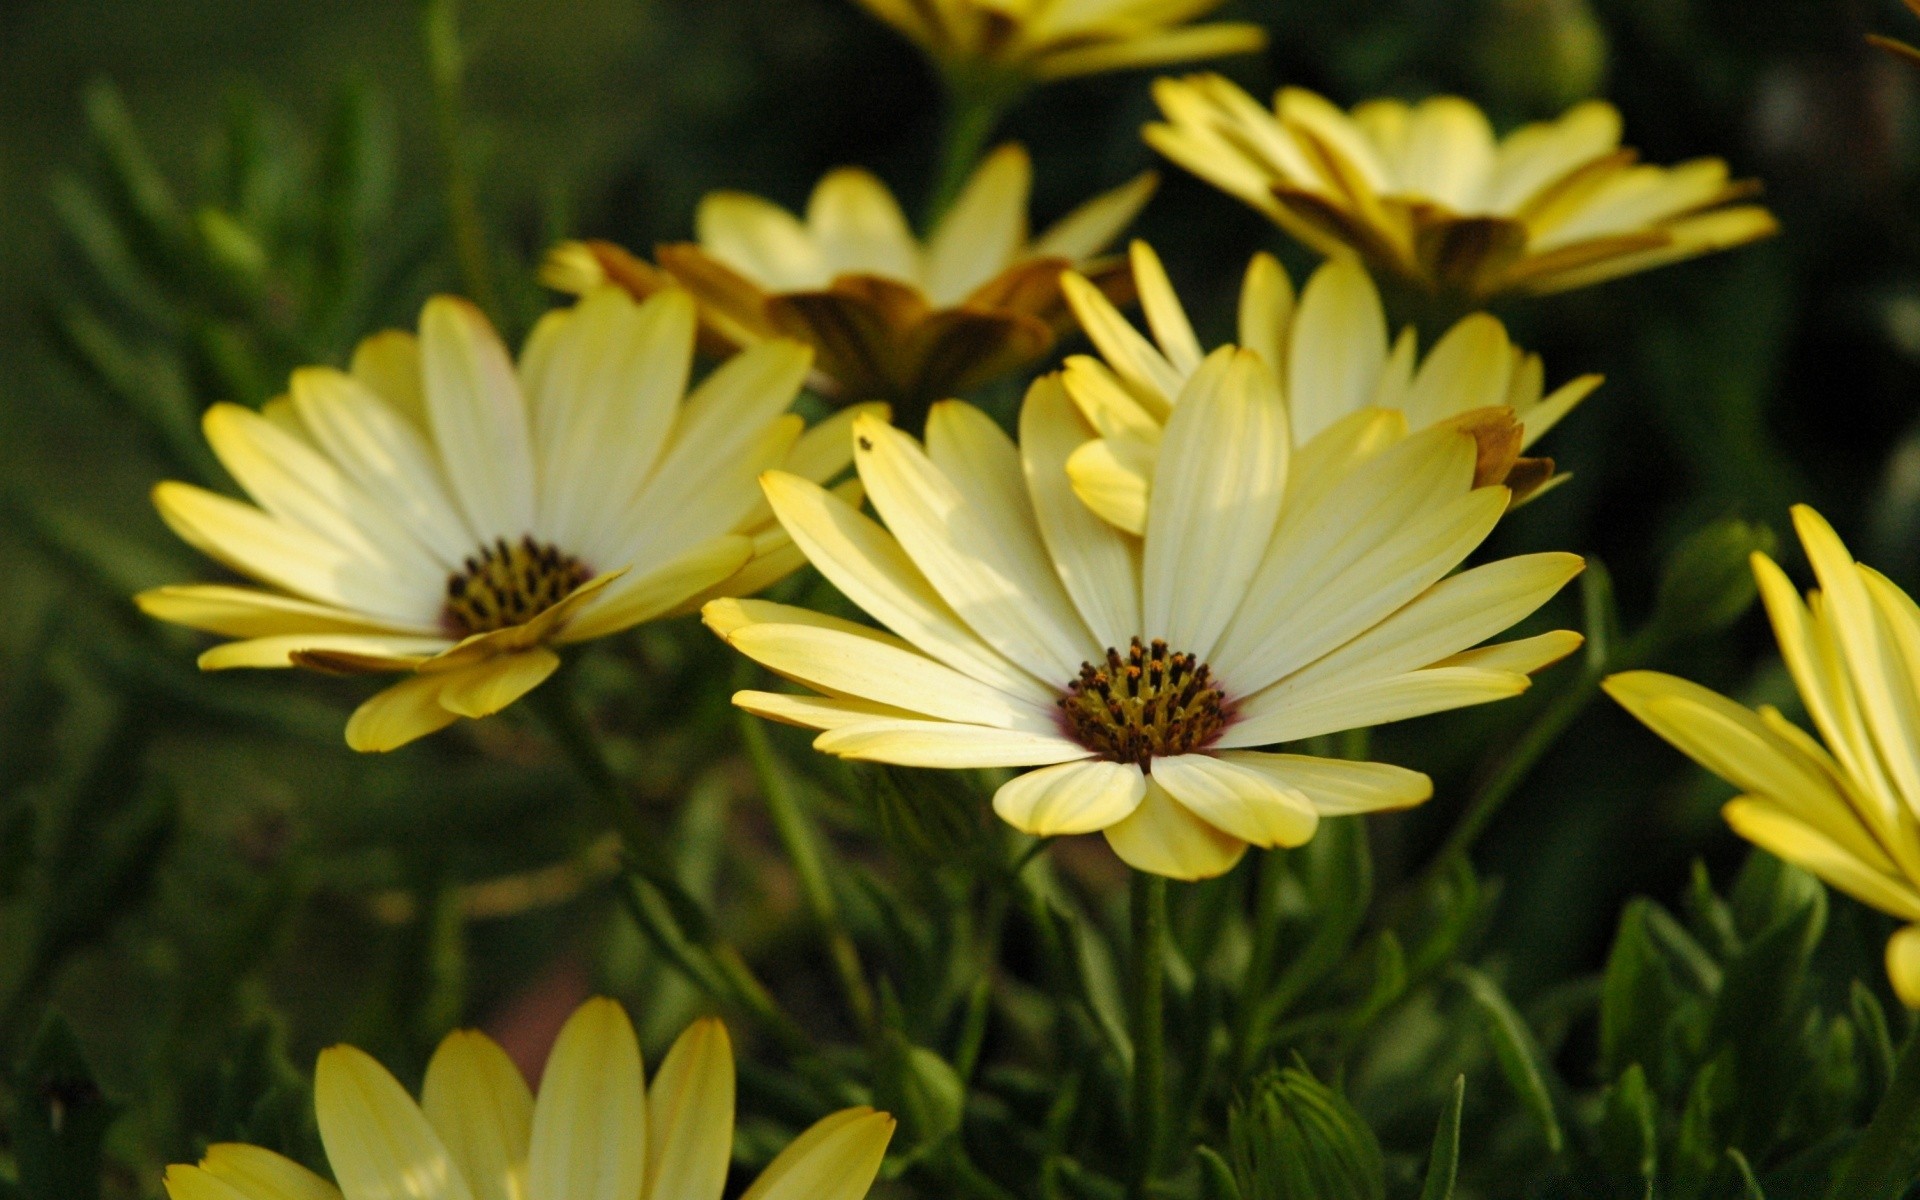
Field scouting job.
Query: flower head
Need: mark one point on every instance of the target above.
(437, 512)
(889, 317)
(1331, 353)
(1428, 193)
(1054, 39)
(595, 1129)
(1276, 595)
(1848, 810)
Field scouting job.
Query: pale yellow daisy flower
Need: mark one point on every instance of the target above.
(1848, 810)
(1276, 595)
(1055, 39)
(889, 317)
(1428, 192)
(1333, 357)
(596, 1131)
(438, 512)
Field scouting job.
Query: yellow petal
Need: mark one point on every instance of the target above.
(1254, 806)
(478, 416)
(192, 1183)
(1161, 306)
(1222, 467)
(1091, 226)
(1337, 347)
(834, 1159)
(1782, 834)
(260, 1174)
(480, 1106)
(282, 650)
(761, 240)
(379, 1144)
(1338, 787)
(1266, 313)
(1162, 837)
(241, 612)
(408, 710)
(984, 230)
(389, 364)
(924, 743)
(485, 689)
(859, 227)
(1114, 478)
(1903, 965)
(1157, 49)
(589, 1137)
(1074, 797)
(1097, 564)
(690, 1116)
(664, 587)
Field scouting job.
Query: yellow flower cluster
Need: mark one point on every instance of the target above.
(1188, 562)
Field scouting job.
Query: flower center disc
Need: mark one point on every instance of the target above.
(1150, 703)
(509, 584)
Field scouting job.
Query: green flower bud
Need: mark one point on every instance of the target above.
(1294, 1138)
(920, 1089)
(1708, 581)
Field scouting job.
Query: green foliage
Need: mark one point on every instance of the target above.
(1294, 1138)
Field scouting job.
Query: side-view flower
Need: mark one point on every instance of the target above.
(1848, 810)
(889, 318)
(595, 1130)
(1055, 39)
(1332, 355)
(1426, 192)
(1275, 595)
(434, 512)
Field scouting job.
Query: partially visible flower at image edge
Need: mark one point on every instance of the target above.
(889, 317)
(1330, 350)
(1846, 806)
(1276, 596)
(1426, 192)
(595, 1129)
(435, 512)
(1055, 39)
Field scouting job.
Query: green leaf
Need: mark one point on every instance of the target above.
(61, 1121)
(920, 1089)
(1443, 1161)
(1627, 1137)
(1875, 1042)
(1311, 916)
(1636, 998)
(1886, 1160)
(1749, 1186)
(1294, 1138)
(1216, 1177)
(1516, 1051)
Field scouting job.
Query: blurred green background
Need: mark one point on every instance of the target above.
(229, 871)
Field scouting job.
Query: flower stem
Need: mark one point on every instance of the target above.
(797, 836)
(974, 107)
(1148, 898)
(446, 67)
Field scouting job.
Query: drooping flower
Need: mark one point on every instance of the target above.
(1276, 595)
(595, 1130)
(889, 317)
(1426, 191)
(1055, 39)
(434, 511)
(1847, 810)
(1332, 355)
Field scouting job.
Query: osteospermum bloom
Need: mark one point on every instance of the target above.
(438, 513)
(1848, 810)
(889, 317)
(1275, 596)
(1331, 353)
(1428, 193)
(595, 1130)
(1055, 39)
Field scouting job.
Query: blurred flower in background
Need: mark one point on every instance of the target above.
(1275, 596)
(1426, 192)
(1331, 353)
(1054, 39)
(595, 1130)
(1845, 811)
(889, 317)
(434, 512)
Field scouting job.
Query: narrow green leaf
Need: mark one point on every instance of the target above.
(1749, 1186)
(1443, 1161)
(1216, 1177)
(1516, 1051)
(1875, 1041)
(1886, 1160)
(1627, 1137)
(61, 1120)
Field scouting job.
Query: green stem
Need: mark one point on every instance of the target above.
(446, 67)
(560, 711)
(1148, 898)
(973, 110)
(797, 837)
(1887, 1157)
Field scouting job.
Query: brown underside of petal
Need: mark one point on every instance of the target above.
(1496, 434)
(1343, 226)
(641, 279)
(1578, 255)
(341, 662)
(1469, 256)
(1527, 476)
(732, 305)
